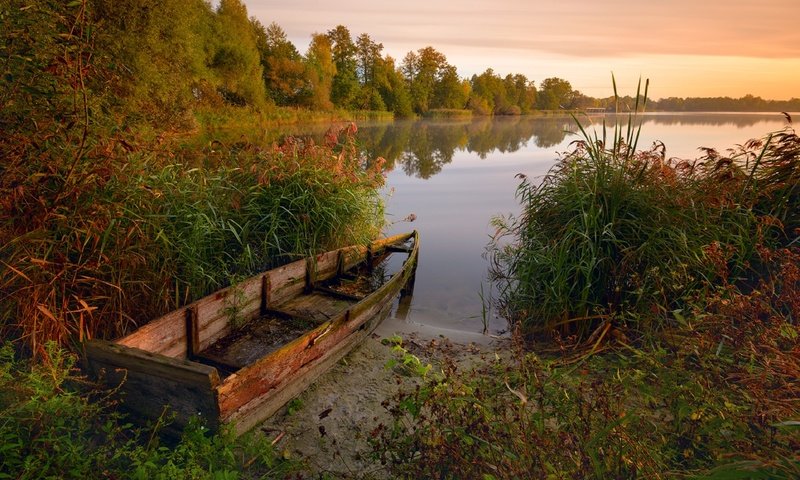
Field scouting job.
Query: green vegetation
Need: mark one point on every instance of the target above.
(688, 269)
(442, 113)
(104, 228)
(107, 222)
(613, 235)
(713, 401)
(53, 426)
(160, 63)
(664, 298)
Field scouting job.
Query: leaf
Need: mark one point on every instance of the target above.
(788, 423)
(46, 312)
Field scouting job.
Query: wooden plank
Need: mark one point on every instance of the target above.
(259, 409)
(155, 364)
(241, 301)
(337, 293)
(325, 265)
(147, 382)
(165, 335)
(247, 346)
(382, 243)
(259, 380)
(316, 307)
(286, 281)
(352, 256)
(192, 329)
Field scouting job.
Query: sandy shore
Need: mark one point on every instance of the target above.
(327, 427)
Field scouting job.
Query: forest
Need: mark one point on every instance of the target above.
(162, 59)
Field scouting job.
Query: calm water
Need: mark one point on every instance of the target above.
(455, 176)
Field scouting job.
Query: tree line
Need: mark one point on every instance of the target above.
(164, 56)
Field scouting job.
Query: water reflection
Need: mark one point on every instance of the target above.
(456, 175)
(422, 148)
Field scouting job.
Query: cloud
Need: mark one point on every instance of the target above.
(579, 28)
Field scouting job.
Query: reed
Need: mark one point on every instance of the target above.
(617, 233)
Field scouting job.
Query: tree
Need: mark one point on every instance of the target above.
(521, 92)
(554, 94)
(236, 60)
(368, 55)
(449, 90)
(158, 49)
(284, 71)
(321, 70)
(371, 73)
(489, 87)
(394, 91)
(345, 84)
(427, 71)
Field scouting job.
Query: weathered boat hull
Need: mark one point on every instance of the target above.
(170, 363)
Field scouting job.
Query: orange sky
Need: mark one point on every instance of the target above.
(685, 47)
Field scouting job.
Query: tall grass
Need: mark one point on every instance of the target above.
(446, 113)
(157, 233)
(613, 232)
(101, 230)
(716, 398)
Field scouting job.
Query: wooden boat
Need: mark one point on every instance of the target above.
(238, 355)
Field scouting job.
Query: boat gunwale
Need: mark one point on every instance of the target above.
(352, 314)
(344, 327)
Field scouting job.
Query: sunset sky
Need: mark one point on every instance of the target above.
(685, 47)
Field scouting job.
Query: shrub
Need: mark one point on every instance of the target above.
(611, 231)
(53, 426)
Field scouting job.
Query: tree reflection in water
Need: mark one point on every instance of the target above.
(421, 148)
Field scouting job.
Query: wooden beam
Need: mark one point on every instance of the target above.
(338, 294)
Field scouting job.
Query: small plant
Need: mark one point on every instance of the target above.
(407, 363)
(294, 406)
(234, 302)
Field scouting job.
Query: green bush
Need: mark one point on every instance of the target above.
(612, 232)
(53, 425)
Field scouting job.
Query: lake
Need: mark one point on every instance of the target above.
(455, 176)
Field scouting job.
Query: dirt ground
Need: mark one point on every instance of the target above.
(328, 425)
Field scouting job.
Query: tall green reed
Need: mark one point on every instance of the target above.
(612, 232)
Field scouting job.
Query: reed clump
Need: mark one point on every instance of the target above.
(616, 234)
(445, 113)
(143, 233)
